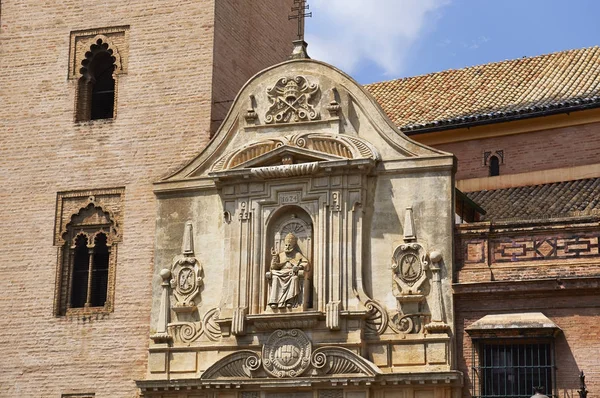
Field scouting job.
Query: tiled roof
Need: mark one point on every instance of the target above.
(492, 92)
(559, 199)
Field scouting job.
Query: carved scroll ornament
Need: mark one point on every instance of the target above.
(289, 354)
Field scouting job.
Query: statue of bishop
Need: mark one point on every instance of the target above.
(287, 272)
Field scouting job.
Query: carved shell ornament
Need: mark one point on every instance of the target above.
(291, 99)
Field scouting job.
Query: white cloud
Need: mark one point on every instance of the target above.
(347, 33)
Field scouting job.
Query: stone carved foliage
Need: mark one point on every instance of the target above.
(291, 100)
(295, 150)
(289, 354)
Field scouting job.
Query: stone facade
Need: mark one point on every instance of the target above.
(176, 59)
(321, 259)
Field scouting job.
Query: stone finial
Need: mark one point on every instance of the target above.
(409, 226)
(299, 50)
(187, 247)
(162, 334)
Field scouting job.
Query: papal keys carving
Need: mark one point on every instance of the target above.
(291, 100)
(287, 272)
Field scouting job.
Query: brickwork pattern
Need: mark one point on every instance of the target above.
(516, 254)
(164, 114)
(535, 151)
(240, 40)
(577, 347)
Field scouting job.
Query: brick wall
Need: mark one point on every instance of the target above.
(163, 119)
(515, 267)
(540, 150)
(575, 312)
(248, 36)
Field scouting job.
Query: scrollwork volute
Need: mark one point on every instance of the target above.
(289, 354)
(291, 100)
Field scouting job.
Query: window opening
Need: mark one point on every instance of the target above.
(99, 272)
(103, 89)
(96, 92)
(494, 166)
(79, 281)
(512, 369)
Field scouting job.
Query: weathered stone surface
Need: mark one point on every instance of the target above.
(309, 255)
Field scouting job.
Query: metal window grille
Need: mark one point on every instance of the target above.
(511, 369)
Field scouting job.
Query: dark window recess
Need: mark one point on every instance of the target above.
(103, 89)
(494, 166)
(96, 91)
(99, 272)
(88, 274)
(512, 370)
(79, 281)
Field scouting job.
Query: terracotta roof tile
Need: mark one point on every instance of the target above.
(559, 199)
(493, 91)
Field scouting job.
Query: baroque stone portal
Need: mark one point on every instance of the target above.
(287, 271)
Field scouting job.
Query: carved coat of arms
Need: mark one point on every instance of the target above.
(290, 100)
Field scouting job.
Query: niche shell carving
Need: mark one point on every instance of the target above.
(290, 100)
(286, 353)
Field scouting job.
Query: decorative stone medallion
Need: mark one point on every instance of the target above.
(286, 353)
(409, 268)
(186, 282)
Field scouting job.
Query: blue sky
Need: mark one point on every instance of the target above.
(376, 40)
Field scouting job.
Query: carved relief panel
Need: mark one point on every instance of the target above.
(292, 100)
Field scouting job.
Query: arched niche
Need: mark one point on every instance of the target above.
(295, 220)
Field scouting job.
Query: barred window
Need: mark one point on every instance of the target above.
(513, 368)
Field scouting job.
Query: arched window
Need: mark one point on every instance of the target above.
(96, 87)
(494, 166)
(79, 279)
(88, 263)
(99, 271)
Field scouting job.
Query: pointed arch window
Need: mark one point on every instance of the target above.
(96, 94)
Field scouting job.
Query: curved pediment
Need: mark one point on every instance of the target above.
(298, 112)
